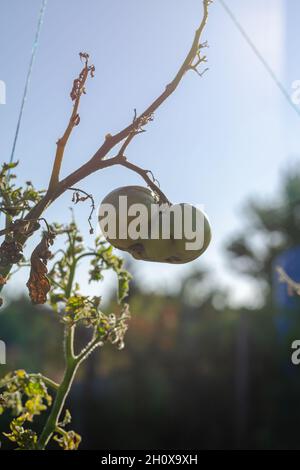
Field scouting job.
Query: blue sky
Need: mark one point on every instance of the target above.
(216, 141)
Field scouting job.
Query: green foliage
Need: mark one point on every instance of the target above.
(16, 200)
(102, 259)
(25, 395)
(72, 306)
(26, 439)
(15, 203)
(67, 440)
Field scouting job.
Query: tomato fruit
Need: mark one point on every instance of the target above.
(178, 245)
(134, 195)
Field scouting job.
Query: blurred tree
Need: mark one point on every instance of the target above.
(25, 329)
(271, 228)
(271, 237)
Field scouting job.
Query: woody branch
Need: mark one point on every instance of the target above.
(97, 162)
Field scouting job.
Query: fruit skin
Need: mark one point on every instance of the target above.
(160, 249)
(181, 253)
(135, 195)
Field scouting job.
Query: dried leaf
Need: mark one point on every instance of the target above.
(38, 283)
(78, 84)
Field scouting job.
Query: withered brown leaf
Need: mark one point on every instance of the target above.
(38, 283)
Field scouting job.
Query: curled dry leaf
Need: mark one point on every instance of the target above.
(38, 283)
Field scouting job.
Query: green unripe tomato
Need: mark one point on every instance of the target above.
(195, 221)
(179, 239)
(191, 226)
(134, 195)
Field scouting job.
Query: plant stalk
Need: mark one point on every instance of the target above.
(72, 365)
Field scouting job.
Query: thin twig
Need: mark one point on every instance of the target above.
(97, 162)
(169, 89)
(145, 175)
(77, 91)
(285, 278)
(77, 198)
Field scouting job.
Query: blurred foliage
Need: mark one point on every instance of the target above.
(196, 372)
(272, 227)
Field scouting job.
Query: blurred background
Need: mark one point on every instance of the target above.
(207, 363)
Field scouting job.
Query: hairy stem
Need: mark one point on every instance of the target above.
(59, 402)
(72, 365)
